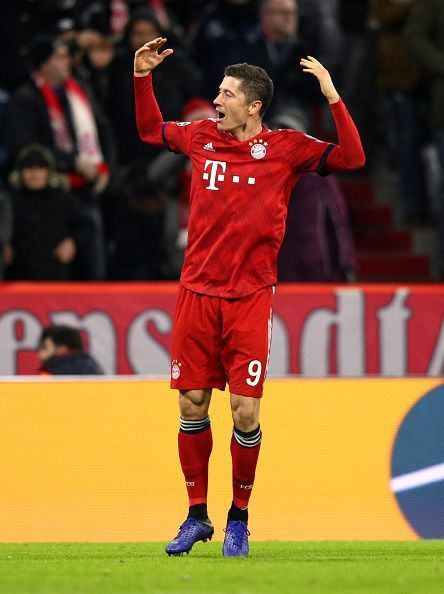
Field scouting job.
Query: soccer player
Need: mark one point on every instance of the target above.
(242, 176)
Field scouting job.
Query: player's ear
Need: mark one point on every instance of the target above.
(254, 107)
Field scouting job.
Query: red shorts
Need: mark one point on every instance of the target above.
(217, 341)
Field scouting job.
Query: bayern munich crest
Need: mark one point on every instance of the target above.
(175, 369)
(258, 150)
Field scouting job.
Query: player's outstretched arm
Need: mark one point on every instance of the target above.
(348, 154)
(148, 115)
(147, 57)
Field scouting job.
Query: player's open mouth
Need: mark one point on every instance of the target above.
(220, 115)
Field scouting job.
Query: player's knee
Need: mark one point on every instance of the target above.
(193, 404)
(245, 414)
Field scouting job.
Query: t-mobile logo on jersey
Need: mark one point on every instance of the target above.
(214, 165)
(213, 174)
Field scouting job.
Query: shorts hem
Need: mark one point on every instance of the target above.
(200, 386)
(238, 393)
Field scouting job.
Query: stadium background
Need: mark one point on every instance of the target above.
(78, 459)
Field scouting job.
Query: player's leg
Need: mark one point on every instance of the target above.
(195, 444)
(245, 446)
(195, 364)
(246, 353)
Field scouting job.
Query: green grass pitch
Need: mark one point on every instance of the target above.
(273, 567)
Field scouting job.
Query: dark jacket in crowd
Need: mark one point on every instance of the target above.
(318, 244)
(221, 33)
(397, 69)
(425, 37)
(281, 61)
(27, 122)
(42, 219)
(136, 227)
(175, 83)
(353, 15)
(72, 364)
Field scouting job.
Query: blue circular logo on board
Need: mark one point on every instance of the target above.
(418, 465)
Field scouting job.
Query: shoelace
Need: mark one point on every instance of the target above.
(237, 532)
(187, 527)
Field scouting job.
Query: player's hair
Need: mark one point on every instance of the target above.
(63, 336)
(255, 83)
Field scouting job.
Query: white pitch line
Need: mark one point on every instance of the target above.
(419, 478)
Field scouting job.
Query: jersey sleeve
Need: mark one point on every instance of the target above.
(177, 136)
(305, 153)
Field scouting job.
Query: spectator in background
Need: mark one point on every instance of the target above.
(357, 71)
(278, 49)
(22, 21)
(155, 197)
(143, 27)
(220, 35)
(149, 211)
(137, 229)
(28, 18)
(158, 7)
(399, 78)
(318, 245)
(54, 110)
(425, 37)
(165, 17)
(94, 67)
(319, 24)
(48, 226)
(185, 12)
(61, 352)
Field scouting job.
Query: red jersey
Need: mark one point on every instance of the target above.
(239, 194)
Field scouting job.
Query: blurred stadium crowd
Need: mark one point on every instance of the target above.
(82, 198)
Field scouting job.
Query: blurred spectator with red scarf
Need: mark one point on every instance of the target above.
(53, 109)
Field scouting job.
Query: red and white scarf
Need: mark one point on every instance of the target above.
(87, 139)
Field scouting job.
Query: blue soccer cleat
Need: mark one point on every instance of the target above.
(190, 532)
(236, 539)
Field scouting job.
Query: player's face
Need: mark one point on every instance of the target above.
(231, 105)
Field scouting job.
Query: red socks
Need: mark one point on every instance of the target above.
(245, 448)
(195, 445)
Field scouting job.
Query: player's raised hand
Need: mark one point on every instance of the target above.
(315, 68)
(147, 57)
